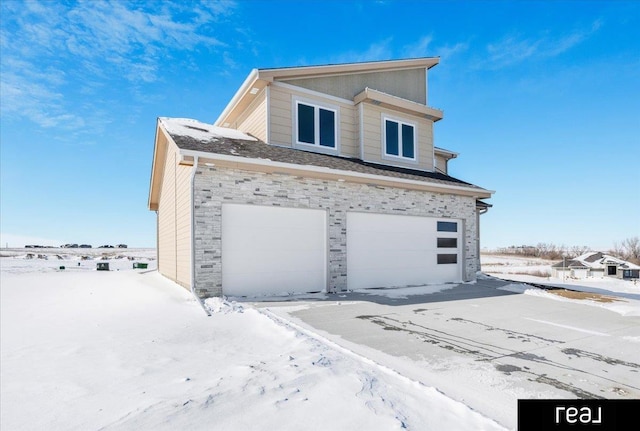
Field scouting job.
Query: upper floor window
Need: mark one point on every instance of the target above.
(399, 139)
(316, 125)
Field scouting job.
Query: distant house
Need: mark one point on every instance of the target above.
(595, 264)
(319, 178)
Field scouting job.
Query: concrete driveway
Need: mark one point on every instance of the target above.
(483, 346)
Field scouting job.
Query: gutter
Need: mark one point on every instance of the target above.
(193, 236)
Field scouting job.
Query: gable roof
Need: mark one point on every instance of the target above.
(599, 260)
(591, 256)
(258, 79)
(569, 264)
(194, 138)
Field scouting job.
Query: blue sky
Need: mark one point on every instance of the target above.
(541, 100)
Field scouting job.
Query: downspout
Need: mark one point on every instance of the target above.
(193, 236)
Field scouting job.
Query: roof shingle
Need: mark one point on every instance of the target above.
(257, 149)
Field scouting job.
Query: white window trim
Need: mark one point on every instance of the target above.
(312, 94)
(398, 158)
(295, 100)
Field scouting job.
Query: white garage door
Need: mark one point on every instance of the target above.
(394, 250)
(273, 250)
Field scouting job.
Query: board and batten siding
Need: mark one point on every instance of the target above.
(174, 219)
(281, 121)
(253, 120)
(373, 142)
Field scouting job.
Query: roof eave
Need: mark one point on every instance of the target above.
(348, 68)
(152, 204)
(264, 165)
(238, 96)
(371, 95)
(157, 166)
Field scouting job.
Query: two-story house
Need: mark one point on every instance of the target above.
(319, 178)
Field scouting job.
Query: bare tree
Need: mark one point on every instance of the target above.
(578, 250)
(631, 248)
(616, 250)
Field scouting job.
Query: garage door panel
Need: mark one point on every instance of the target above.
(267, 260)
(273, 282)
(397, 259)
(272, 250)
(397, 250)
(383, 242)
(257, 238)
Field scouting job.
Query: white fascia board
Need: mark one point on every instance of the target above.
(153, 167)
(248, 82)
(444, 188)
(453, 154)
(349, 68)
(312, 93)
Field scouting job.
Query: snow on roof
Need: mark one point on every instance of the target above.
(594, 259)
(201, 131)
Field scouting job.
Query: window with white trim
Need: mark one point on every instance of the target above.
(316, 125)
(399, 139)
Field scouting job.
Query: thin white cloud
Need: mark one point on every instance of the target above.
(419, 49)
(48, 45)
(385, 50)
(425, 47)
(448, 51)
(515, 49)
(376, 51)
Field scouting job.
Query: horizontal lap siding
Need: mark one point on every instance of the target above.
(373, 139)
(441, 163)
(349, 139)
(167, 216)
(281, 120)
(183, 225)
(280, 112)
(174, 220)
(254, 120)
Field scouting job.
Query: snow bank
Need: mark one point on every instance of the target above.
(222, 305)
(201, 131)
(618, 304)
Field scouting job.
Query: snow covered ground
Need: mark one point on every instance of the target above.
(522, 269)
(45, 260)
(127, 349)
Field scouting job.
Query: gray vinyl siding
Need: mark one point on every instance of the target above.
(407, 84)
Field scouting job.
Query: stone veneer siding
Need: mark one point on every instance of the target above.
(215, 186)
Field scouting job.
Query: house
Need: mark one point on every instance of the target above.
(595, 264)
(319, 178)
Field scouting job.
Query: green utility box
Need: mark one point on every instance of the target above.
(103, 266)
(139, 265)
